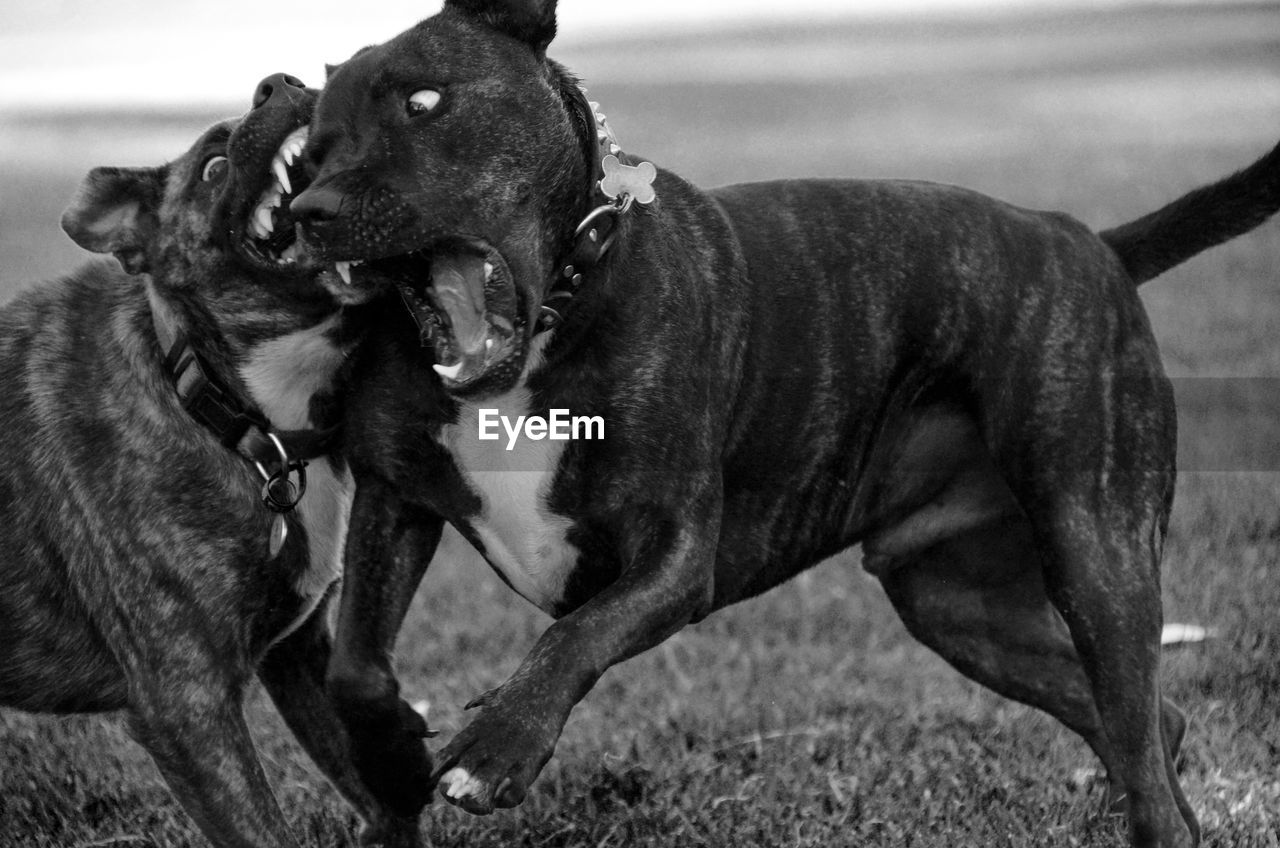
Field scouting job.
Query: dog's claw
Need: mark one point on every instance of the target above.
(484, 699)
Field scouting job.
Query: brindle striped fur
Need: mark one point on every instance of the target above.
(135, 573)
(969, 390)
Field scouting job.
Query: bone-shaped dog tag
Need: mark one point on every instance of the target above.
(622, 180)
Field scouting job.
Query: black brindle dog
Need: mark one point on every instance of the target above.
(142, 570)
(969, 390)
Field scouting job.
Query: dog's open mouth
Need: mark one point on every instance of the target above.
(270, 233)
(463, 297)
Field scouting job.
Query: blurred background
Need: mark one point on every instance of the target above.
(807, 717)
(967, 91)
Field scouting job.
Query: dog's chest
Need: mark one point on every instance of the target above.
(282, 375)
(522, 538)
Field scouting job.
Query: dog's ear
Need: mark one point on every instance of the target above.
(531, 21)
(117, 210)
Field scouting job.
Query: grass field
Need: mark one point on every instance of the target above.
(809, 717)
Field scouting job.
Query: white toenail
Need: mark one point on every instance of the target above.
(457, 779)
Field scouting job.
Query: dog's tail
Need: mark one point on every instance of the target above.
(1198, 220)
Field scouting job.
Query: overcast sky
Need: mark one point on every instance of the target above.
(66, 53)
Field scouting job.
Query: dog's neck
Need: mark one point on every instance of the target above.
(616, 184)
(245, 381)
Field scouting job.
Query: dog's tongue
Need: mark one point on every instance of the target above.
(457, 285)
(457, 281)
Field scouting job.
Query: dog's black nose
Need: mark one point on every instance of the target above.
(318, 203)
(277, 89)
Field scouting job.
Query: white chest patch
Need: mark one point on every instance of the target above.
(522, 538)
(282, 375)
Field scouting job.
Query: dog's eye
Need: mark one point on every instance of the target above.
(214, 169)
(422, 102)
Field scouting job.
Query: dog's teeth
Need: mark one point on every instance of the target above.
(449, 372)
(273, 199)
(488, 345)
(282, 175)
(488, 271)
(286, 153)
(344, 271)
(263, 218)
(256, 228)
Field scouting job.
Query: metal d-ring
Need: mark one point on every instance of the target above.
(270, 498)
(549, 316)
(284, 456)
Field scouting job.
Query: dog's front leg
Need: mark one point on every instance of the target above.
(668, 583)
(293, 672)
(191, 724)
(388, 548)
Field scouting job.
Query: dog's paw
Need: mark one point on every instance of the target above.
(391, 758)
(494, 760)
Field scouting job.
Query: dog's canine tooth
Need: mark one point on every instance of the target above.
(256, 228)
(282, 175)
(344, 271)
(263, 219)
(449, 372)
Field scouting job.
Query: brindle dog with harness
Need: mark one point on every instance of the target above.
(159, 428)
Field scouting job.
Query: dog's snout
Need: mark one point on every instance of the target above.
(316, 204)
(277, 89)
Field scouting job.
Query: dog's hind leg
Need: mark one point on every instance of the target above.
(978, 599)
(293, 672)
(192, 725)
(1104, 582)
(1087, 448)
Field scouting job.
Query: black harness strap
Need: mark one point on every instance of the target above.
(238, 425)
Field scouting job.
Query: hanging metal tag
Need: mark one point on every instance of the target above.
(279, 532)
(280, 494)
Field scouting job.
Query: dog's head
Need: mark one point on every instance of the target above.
(453, 162)
(214, 223)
